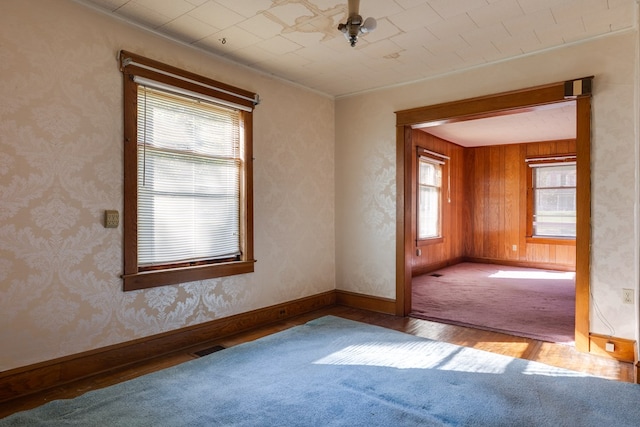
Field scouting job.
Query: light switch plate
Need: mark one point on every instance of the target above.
(111, 219)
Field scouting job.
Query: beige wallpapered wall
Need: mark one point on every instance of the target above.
(61, 167)
(365, 168)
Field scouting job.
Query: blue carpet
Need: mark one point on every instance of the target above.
(337, 372)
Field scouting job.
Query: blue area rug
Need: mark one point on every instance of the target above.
(337, 372)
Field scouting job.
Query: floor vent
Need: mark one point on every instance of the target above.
(209, 350)
(436, 275)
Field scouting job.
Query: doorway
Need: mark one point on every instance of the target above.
(489, 106)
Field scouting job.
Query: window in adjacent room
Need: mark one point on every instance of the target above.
(552, 198)
(188, 176)
(429, 197)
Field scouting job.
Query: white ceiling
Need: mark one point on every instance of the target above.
(298, 41)
(545, 123)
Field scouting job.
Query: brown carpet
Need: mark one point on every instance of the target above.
(526, 302)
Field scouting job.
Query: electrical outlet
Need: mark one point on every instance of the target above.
(111, 219)
(627, 296)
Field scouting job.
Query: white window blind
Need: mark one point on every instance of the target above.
(429, 197)
(189, 165)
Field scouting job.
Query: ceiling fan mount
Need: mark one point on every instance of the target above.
(355, 26)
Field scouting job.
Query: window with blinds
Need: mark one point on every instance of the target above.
(188, 176)
(188, 180)
(554, 199)
(429, 197)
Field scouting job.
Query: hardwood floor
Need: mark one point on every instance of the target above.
(558, 355)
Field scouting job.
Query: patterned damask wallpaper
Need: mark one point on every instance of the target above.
(324, 188)
(61, 167)
(365, 168)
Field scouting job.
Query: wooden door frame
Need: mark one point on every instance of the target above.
(491, 106)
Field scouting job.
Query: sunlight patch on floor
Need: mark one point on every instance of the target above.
(513, 349)
(412, 355)
(544, 275)
(550, 371)
(430, 355)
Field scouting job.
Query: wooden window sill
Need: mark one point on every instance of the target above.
(433, 241)
(551, 241)
(153, 278)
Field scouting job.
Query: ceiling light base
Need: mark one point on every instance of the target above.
(355, 27)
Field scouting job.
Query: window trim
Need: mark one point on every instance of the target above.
(429, 241)
(541, 160)
(440, 160)
(133, 278)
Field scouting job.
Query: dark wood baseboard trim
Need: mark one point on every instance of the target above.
(624, 349)
(525, 264)
(424, 269)
(417, 271)
(41, 376)
(366, 302)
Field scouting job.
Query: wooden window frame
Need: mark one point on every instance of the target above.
(439, 238)
(530, 237)
(135, 277)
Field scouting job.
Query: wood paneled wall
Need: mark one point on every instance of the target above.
(487, 216)
(496, 214)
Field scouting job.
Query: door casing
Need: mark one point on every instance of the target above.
(491, 106)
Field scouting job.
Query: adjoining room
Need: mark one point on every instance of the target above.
(499, 192)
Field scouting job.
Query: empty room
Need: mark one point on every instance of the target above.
(209, 210)
(496, 222)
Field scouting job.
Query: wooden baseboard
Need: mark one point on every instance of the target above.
(624, 349)
(366, 302)
(417, 271)
(424, 269)
(41, 376)
(524, 264)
